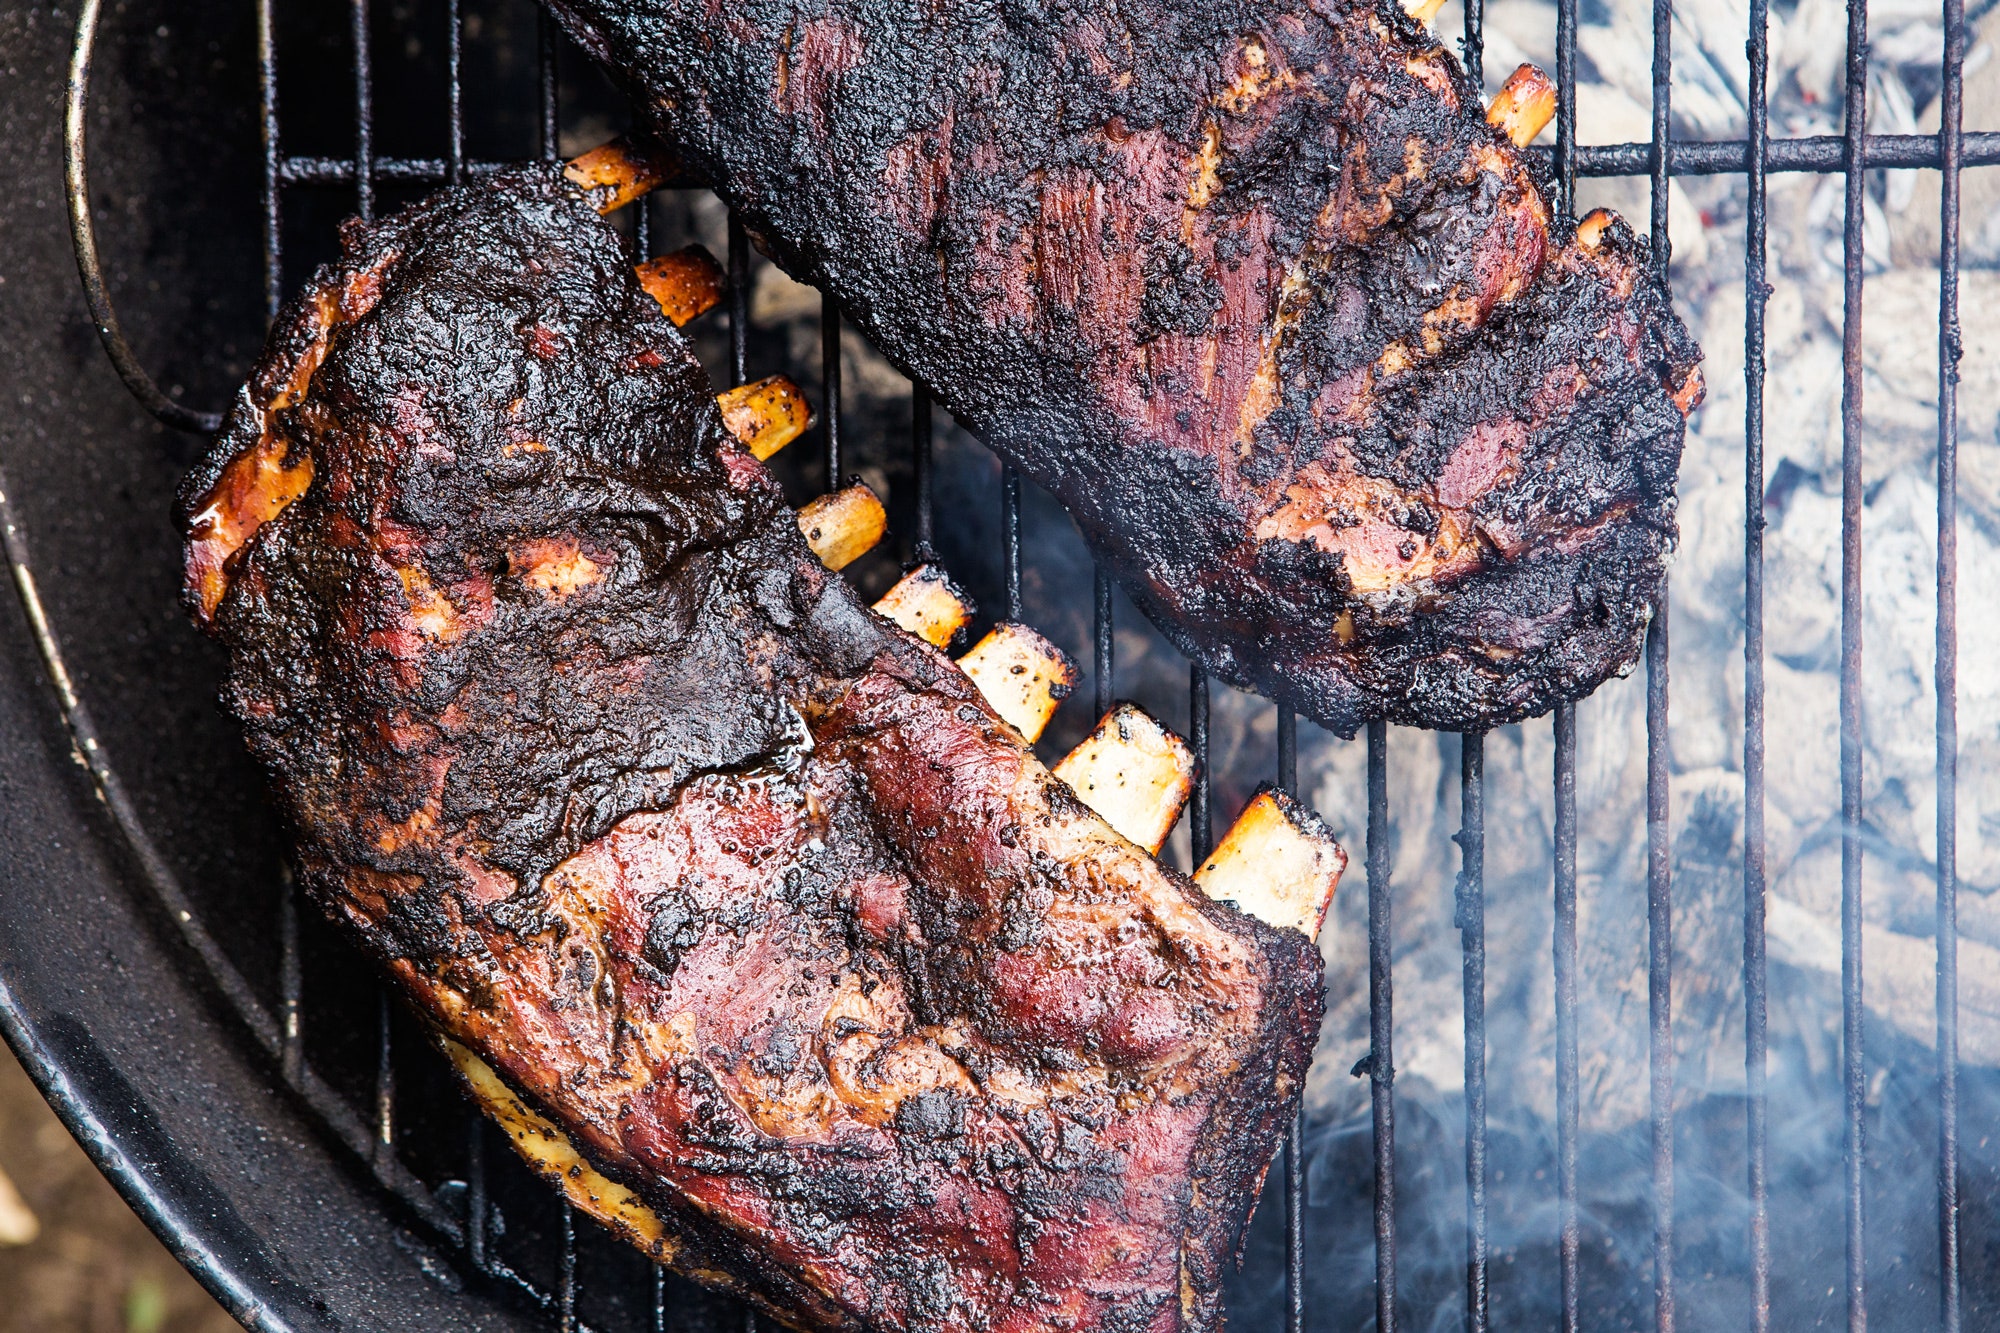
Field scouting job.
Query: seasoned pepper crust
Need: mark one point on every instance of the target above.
(1252, 289)
(746, 889)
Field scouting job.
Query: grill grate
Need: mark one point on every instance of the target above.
(373, 1136)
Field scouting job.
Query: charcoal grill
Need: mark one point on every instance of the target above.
(260, 1101)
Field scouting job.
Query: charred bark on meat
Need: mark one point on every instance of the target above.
(1254, 290)
(747, 890)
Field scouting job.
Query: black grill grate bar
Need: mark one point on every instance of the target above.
(1814, 154)
(385, 1080)
(739, 301)
(1951, 135)
(1756, 293)
(475, 1188)
(1473, 46)
(1295, 1133)
(1564, 158)
(291, 981)
(454, 55)
(545, 50)
(1659, 852)
(1854, 1072)
(1567, 1099)
(1470, 917)
(1381, 1027)
(1103, 650)
(920, 469)
(1660, 964)
(1010, 537)
(1820, 154)
(566, 1286)
(1201, 818)
(267, 125)
(1658, 153)
(364, 112)
(829, 363)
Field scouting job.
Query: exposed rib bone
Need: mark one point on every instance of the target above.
(687, 283)
(1022, 675)
(928, 604)
(618, 172)
(1590, 231)
(765, 415)
(1134, 772)
(554, 1158)
(1523, 106)
(844, 525)
(1278, 862)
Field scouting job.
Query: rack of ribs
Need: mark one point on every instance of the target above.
(750, 914)
(1254, 289)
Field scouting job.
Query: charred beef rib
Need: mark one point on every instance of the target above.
(1253, 289)
(744, 910)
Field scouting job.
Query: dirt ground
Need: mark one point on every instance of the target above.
(73, 1258)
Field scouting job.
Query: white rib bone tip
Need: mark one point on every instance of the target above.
(1134, 772)
(1278, 862)
(928, 604)
(765, 415)
(1023, 676)
(844, 525)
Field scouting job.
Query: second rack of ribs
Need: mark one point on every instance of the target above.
(1252, 289)
(748, 890)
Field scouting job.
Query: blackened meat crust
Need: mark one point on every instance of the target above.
(1252, 289)
(745, 888)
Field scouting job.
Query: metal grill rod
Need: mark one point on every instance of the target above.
(1010, 538)
(1659, 852)
(1470, 917)
(829, 362)
(1813, 154)
(1101, 639)
(1295, 1133)
(1951, 134)
(1567, 1099)
(1381, 1026)
(920, 468)
(1854, 1075)
(1201, 819)
(1756, 294)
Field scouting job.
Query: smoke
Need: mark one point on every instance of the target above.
(1711, 1255)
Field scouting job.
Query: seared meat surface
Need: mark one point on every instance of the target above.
(747, 890)
(1252, 289)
